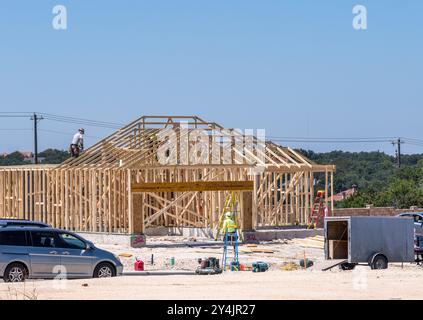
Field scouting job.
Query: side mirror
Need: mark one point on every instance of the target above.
(89, 246)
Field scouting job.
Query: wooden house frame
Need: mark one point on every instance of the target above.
(126, 182)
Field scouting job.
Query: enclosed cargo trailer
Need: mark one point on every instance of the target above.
(375, 241)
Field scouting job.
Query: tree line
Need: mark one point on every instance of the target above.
(378, 179)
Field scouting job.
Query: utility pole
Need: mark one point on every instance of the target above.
(398, 151)
(36, 118)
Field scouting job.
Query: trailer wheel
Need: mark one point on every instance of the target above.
(379, 262)
(347, 266)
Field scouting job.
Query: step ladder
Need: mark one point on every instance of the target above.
(318, 210)
(230, 243)
(231, 204)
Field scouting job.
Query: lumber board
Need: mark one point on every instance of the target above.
(193, 186)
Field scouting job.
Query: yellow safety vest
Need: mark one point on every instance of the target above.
(229, 226)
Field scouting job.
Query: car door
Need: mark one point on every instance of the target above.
(13, 247)
(76, 259)
(44, 255)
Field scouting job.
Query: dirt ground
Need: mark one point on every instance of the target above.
(398, 282)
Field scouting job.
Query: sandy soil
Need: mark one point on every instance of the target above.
(395, 283)
(391, 284)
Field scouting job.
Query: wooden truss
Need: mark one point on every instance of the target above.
(136, 179)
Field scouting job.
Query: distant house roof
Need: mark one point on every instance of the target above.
(26, 154)
(344, 194)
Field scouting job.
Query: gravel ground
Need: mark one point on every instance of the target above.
(186, 258)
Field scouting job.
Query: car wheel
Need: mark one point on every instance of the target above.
(104, 270)
(379, 262)
(15, 272)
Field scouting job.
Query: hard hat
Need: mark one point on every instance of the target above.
(82, 130)
(228, 214)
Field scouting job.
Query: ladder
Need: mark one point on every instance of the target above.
(234, 265)
(318, 210)
(231, 204)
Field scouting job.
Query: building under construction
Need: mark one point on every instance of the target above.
(171, 171)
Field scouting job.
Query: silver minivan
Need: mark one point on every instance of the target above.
(46, 253)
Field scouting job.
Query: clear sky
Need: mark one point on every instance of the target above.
(296, 68)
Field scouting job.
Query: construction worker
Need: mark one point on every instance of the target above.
(229, 228)
(77, 144)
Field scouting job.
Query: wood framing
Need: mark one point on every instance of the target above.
(154, 172)
(193, 186)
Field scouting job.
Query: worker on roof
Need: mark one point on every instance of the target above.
(77, 145)
(229, 228)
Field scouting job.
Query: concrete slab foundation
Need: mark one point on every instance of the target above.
(141, 240)
(280, 234)
(135, 241)
(180, 231)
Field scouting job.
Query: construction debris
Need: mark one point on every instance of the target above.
(312, 242)
(262, 250)
(255, 249)
(290, 266)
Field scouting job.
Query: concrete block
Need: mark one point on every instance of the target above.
(138, 240)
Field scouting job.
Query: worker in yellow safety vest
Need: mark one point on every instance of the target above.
(229, 227)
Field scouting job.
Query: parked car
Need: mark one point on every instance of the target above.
(418, 221)
(22, 223)
(34, 252)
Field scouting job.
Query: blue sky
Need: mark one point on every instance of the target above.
(296, 68)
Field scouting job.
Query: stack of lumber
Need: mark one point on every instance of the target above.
(312, 242)
(255, 249)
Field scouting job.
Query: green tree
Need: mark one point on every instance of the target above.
(53, 156)
(403, 194)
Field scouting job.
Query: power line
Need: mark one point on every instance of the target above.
(330, 141)
(334, 138)
(66, 133)
(6, 115)
(15, 129)
(410, 140)
(414, 144)
(35, 118)
(81, 121)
